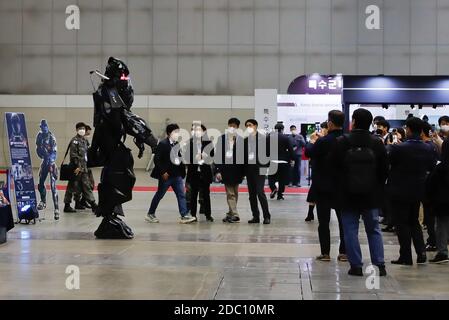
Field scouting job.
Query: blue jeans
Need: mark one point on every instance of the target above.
(177, 184)
(350, 219)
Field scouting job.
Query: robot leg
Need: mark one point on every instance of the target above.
(43, 172)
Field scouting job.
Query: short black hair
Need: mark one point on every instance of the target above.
(171, 127)
(234, 121)
(378, 118)
(323, 125)
(252, 121)
(426, 128)
(415, 125)
(384, 123)
(336, 117)
(443, 118)
(362, 119)
(80, 125)
(88, 128)
(292, 127)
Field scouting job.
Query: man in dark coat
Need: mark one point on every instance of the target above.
(410, 163)
(229, 166)
(360, 161)
(170, 172)
(257, 161)
(437, 194)
(323, 177)
(199, 171)
(285, 155)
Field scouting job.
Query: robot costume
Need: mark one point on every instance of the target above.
(113, 121)
(46, 149)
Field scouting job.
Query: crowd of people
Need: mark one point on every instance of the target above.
(382, 175)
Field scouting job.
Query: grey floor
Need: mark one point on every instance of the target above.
(198, 261)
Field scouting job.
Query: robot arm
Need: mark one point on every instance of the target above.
(137, 127)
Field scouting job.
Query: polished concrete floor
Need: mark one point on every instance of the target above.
(198, 261)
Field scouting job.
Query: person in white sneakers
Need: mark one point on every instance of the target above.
(170, 171)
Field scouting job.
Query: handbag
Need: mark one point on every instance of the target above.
(67, 172)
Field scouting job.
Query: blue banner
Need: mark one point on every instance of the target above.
(21, 169)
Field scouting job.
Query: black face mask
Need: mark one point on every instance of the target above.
(379, 132)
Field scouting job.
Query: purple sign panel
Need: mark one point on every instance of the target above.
(316, 84)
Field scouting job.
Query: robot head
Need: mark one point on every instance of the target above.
(118, 74)
(15, 121)
(44, 126)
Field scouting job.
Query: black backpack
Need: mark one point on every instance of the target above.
(360, 168)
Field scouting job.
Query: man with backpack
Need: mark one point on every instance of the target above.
(360, 159)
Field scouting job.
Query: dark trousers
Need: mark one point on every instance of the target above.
(429, 221)
(408, 229)
(324, 234)
(280, 176)
(256, 183)
(200, 186)
(295, 171)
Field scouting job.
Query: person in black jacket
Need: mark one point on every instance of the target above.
(324, 183)
(360, 160)
(410, 163)
(437, 194)
(170, 171)
(229, 168)
(285, 156)
(429, 218)
(257, 160)
(199, 171)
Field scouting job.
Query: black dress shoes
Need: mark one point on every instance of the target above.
(402, 262)
(422, 259)
(254, 220)
(266, 221)
(356, 271)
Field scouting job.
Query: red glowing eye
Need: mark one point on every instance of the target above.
(123, 77)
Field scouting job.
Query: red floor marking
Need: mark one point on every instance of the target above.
(213, 189)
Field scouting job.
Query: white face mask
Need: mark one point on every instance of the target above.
(445, 128)
(198, 134)
(81, 132)
(294, 132)
(231, 130)
(250, 130)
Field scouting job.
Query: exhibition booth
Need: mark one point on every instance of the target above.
(310, 97)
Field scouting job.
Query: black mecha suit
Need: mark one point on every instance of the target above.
(113, 121)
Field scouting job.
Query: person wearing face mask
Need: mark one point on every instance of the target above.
(298, 144)
(78, 157)
(170, 171)
(80, 201)
(255, 166)
(229, 168)
(199, 172)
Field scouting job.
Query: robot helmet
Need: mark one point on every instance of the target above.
(118, 73)
(44, 126)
